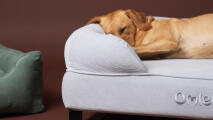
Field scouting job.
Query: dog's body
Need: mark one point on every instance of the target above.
(176, 38)
(169, 38)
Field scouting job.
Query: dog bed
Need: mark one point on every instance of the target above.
(20, 81)
(104, 74)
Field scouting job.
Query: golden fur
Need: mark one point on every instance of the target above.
(170, 38)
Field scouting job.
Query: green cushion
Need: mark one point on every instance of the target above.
(20, 81)
(1, 72)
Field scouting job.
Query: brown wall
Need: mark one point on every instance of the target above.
(46, 24)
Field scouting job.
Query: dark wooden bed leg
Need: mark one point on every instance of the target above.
(75, 115)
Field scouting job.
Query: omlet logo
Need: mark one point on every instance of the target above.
(200, 99)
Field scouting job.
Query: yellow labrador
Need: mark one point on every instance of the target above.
(168, 38)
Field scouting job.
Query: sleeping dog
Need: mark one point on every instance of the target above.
(168, 38)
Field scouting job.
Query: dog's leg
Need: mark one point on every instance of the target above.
(159, 47)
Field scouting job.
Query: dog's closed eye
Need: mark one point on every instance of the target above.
(122, 30)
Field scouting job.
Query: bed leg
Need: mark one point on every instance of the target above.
(75, 115)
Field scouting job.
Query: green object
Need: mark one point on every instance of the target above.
(20, 81)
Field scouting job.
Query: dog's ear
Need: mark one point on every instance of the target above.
(139, 19)
(149, 19)
(96, 20)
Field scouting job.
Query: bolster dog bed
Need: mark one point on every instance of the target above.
(20, 81)
(105, 74)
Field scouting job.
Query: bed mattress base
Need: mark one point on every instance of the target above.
(139, 95)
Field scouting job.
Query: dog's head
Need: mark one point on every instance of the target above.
(124, 24)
